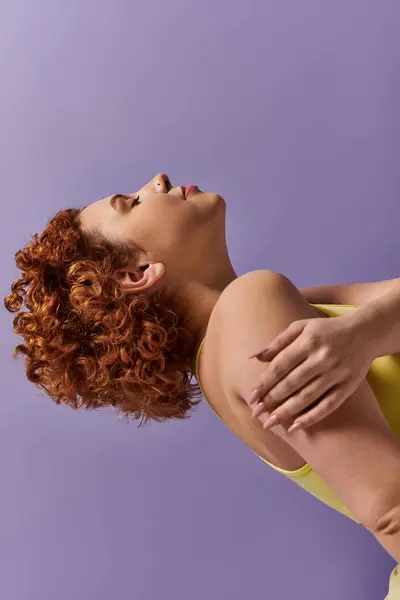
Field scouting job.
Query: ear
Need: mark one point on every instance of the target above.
(140, 279)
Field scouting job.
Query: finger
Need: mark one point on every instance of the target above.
(304, 374)
(278, 368)
(280, 342)
(258, 410)
(324, 408)
(295, 404)
(300, 403)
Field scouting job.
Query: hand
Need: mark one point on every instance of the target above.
(315, 365)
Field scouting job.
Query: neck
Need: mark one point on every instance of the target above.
(197, 299)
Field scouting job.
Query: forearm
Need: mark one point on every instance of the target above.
(378, 320)
(348, 293)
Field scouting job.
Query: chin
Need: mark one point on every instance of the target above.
(220, 203)
(209, 205)
(217, 199)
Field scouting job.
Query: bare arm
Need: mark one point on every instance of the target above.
(377, 316)
(347, 293)
(354, 449)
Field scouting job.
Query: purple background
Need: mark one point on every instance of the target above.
(290, 110)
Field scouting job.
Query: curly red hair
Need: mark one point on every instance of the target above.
(86, 344)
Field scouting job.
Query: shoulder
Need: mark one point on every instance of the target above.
(241, 294)
(250, 312)
(255, 279)
(250, 296)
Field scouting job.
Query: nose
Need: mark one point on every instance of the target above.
(162, 183)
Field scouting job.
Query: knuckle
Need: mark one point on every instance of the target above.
(280, 391)
(265, 376)
(276, 371)
(305, 398)
(324, 353)
(330, 404)
(346, 372)
(262, 381)
(312, 341)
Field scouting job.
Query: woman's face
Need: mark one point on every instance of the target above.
(160, 221)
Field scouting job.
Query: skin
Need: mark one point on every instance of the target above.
(189, 254)
(182, 245)
(353, 450)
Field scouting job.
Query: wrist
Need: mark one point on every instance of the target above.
(367, 331)
(371, 326)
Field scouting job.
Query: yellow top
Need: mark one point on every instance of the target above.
(384, 379)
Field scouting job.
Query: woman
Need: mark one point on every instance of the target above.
(128, 297)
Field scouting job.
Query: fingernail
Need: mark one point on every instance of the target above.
(296, 425)
(258, 409)
(271, 421)
(254, 396)
(259, 353)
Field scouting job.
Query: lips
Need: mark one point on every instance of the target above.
(191, 189)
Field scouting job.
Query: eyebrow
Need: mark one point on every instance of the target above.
(115, 197)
